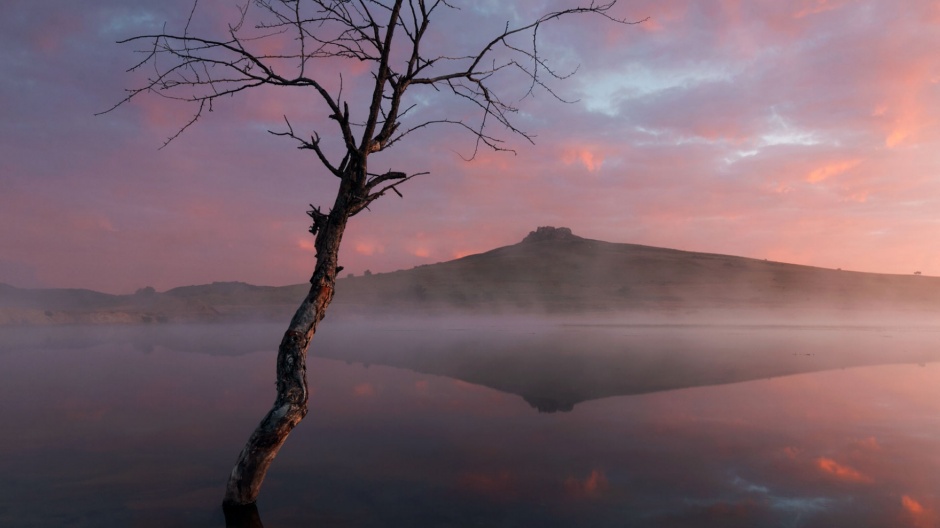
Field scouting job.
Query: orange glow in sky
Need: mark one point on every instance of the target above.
(806, 131)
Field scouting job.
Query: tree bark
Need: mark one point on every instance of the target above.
(290, 404)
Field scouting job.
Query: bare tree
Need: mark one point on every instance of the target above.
(390, 36)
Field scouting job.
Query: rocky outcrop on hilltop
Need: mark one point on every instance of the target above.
(550, 234)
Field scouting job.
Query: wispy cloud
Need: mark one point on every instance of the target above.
(807, 129)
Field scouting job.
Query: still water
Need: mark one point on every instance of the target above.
(494, 424)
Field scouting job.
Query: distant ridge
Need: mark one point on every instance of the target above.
(551, 271)
(554, 271)
(216, 302)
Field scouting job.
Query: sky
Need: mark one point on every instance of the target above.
(805, 131)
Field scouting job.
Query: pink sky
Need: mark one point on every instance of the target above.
(802, 131)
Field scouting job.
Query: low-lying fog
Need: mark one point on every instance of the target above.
(482, 420)
(553, 363)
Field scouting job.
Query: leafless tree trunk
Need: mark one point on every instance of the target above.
(290, 405)
(200, 70)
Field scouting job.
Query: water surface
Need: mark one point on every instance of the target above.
(639, 426)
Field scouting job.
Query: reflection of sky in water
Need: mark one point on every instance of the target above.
(109, 435)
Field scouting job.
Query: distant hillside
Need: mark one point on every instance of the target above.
(550, 271)
(554, 271)
(219, 301)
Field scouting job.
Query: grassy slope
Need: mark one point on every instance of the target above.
(573, 274)
(554, 272)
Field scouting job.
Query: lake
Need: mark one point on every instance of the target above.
(482, 422)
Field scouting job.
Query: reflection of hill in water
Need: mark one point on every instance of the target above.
(553, 367)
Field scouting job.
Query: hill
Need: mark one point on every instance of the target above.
(551, 271)
(555, 271)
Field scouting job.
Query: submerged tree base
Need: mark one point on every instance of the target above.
(242, 516)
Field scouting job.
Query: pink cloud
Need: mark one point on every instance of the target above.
(916, 514)
(307, 245)
(830, 170)
(814, 7)
(805, 129)
(840, 471)
(368, 247)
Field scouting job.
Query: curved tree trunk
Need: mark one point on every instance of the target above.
(290, 405)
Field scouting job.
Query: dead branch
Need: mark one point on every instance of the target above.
(201, 70)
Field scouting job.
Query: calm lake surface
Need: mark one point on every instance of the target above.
(478, 424)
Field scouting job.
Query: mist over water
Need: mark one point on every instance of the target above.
(492, 421)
